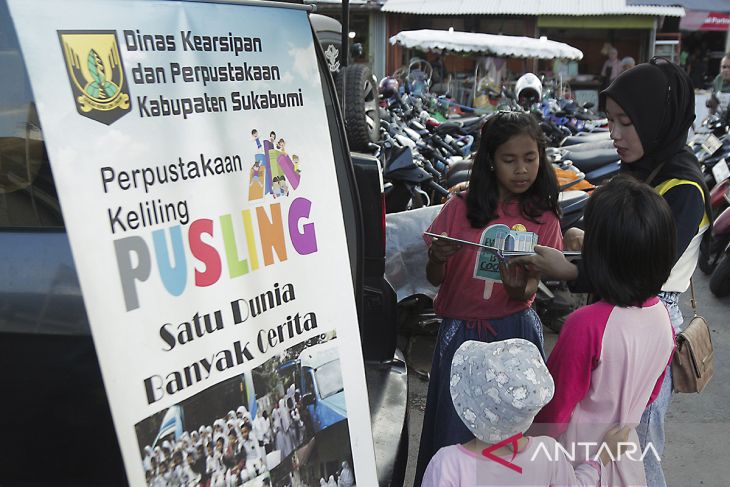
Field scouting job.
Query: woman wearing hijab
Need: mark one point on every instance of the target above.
(650, 109)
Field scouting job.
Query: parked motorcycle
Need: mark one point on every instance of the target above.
(720, 279)
(596, 157)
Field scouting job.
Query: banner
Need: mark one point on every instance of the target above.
(709, 21)
(190, 149)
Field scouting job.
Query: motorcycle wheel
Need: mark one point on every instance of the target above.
(355, 88)
(720, 279)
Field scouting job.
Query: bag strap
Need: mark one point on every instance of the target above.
(653, 174)
(693, 301)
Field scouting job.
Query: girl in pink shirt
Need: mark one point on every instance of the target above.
(511, 204)
(610, 359)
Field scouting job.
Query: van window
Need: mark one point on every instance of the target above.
(329, 379)
(27, 193)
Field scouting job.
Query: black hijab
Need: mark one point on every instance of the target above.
(659, 99)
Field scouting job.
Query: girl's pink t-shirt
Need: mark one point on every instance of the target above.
(472, 288)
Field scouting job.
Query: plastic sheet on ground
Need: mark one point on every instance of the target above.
(406, 252)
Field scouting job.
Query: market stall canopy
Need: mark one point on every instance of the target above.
(534, 7)
(488, 44)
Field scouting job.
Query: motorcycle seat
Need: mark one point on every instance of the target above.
(590, 160)
(457, 177)
(460, 122)
(589, 145)
(587, 137)
(572, 200)
(464, 164)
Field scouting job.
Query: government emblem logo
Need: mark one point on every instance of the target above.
(96, 74)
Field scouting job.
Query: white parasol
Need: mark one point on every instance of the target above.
(487, 44)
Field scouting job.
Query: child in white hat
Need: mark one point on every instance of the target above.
(497, 389)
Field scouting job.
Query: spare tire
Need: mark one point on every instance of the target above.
(359, 99)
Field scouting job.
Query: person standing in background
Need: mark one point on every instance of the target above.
(611, 67)
(627, 63)
(684, 59)
(720, 98)
(610, 70)
(697, 68)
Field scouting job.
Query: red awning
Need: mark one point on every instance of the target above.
(698, 20)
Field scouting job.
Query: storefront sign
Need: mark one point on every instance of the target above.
(190, 150)
(712, 21)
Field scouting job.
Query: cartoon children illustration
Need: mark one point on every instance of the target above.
(256, 181)
(256, 173)
(255, 136)
(283, 187)
(295, 160)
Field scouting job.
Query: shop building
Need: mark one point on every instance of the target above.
(698, 40)
(585, 24)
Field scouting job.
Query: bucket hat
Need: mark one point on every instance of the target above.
(498, 388)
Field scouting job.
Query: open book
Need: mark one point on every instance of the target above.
(498, 252)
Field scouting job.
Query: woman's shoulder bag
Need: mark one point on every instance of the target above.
(692, 365)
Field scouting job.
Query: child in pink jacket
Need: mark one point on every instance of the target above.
(610, 359)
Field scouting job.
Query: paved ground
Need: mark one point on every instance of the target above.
(698, 426)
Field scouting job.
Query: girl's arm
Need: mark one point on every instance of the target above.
(590, 473)
(561, 472)
(438, 253)
(435, 270)
(583, 475)
(440, 250)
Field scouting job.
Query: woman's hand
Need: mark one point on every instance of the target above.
(573, 239)
(549, 262)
